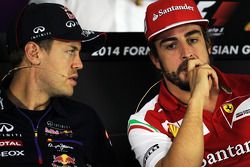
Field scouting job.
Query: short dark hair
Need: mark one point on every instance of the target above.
(16, 56)
(207, 37)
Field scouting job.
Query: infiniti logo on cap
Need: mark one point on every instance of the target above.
(70, 24)
(38, 29)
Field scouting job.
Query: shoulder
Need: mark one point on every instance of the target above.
(149, 106)
(238, 76)
(234, 81)
(238, 80)
(155, 144)
(138, 120)
(231, 76)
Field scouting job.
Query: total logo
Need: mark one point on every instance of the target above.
(11, 143)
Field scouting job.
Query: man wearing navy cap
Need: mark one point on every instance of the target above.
(39, 126)
(201, 115)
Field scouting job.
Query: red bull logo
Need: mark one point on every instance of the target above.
(63, 161)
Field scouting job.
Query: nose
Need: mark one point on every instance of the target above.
(77, 64)
(186, 51)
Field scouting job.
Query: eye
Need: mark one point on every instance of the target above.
(70, 52)
(192, 40)
(170, 45)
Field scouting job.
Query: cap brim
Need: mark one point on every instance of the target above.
(93, 41)
(203, 22)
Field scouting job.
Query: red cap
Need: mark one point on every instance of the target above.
(165, 14)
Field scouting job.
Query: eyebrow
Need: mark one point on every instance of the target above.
(192, 32)
(74, 47)
(186, 35)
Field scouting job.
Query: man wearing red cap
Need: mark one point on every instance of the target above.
(200, 116)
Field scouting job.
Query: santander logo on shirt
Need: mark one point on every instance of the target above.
(232, 144)
(225, 154)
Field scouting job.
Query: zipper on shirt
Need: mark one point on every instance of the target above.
(35, 130)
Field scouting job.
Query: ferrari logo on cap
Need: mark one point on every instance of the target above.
(228, 107)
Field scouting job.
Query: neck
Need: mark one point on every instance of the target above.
(181, 95)
(184, 96)
(25, 93)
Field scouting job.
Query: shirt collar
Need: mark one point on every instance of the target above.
(57, 105)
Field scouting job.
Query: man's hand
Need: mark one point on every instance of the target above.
(202, 78)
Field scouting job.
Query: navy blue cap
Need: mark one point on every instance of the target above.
(42, 21)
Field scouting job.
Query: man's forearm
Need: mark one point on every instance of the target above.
(188, 147)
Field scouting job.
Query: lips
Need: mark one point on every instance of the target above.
(73, 79)
(73, 76)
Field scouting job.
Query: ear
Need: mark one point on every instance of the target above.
(209, 50)
(155, 60)
(32, 51)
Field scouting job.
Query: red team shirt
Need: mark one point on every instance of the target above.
(226, 130)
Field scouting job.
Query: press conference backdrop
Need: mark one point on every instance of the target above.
(115, 78)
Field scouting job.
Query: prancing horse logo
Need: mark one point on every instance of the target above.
(228, 107)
